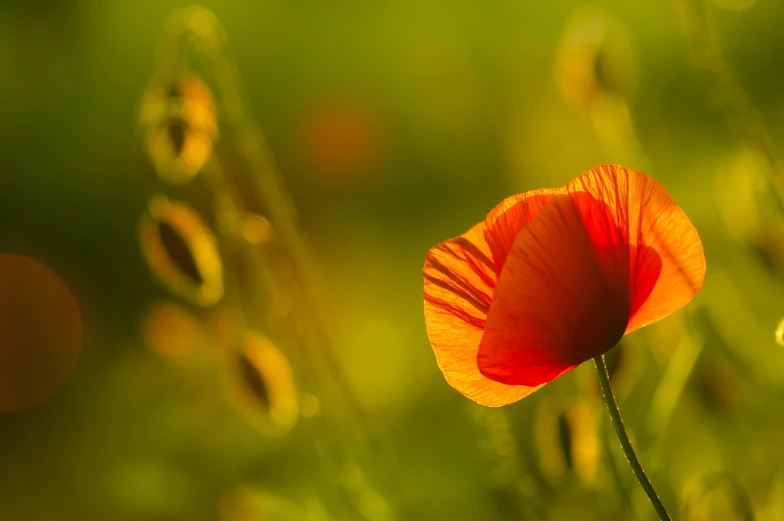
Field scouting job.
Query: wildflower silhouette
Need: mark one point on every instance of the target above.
(555, 277)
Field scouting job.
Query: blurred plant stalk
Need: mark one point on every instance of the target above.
(762, 170)
(728, 93)
(248, 242)
(508, 471)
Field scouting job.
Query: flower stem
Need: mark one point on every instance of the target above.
(620, 430)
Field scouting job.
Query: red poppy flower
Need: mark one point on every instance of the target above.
(555, 277)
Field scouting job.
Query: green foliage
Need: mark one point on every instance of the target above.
(395, 126)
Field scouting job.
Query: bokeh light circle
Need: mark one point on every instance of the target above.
(40, 332)
(341, 139)
(173, 333)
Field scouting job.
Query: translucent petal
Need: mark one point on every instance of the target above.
(559, 300)
(656, 225)
(509, 217)
(460, 277)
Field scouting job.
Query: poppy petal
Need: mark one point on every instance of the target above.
(557, 301)
(667, 266)
(460, 278)
(509, 217)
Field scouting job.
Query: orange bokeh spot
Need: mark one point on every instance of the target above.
(340, 139)
(40, 333)
(171, 331)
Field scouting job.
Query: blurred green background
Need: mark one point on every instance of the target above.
(457, 105)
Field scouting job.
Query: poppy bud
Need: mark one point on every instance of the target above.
(181, 251)
(566, 441)
(716, 495)
(595, 59)
(260, 383)
(179, 127)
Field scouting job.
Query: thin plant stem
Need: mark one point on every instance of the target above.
(615, 472)
(623, 437)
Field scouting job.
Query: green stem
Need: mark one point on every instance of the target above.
(620, 430)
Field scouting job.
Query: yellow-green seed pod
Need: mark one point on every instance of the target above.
(260, 383)
(567, 441)
(595, 59)
(718, 385)
(780, 333)
(716, 496)
(181, 251)
(738, 181)
(179, 127)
